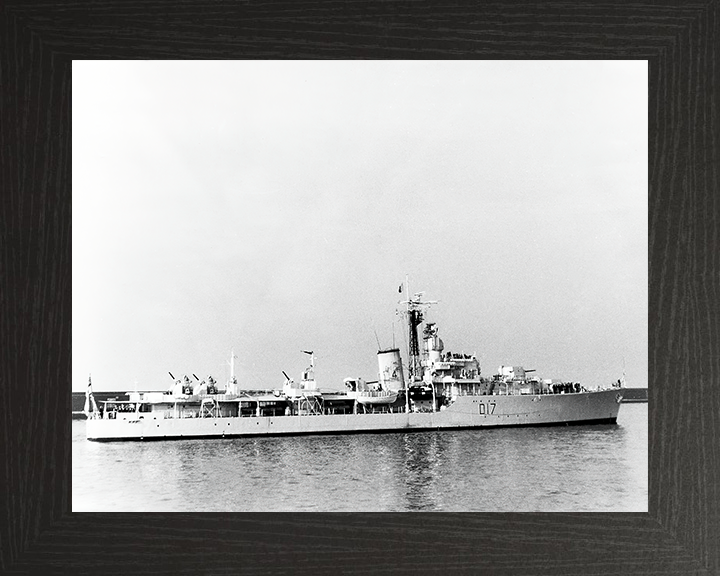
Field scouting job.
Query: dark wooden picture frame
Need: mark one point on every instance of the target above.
(681, 531)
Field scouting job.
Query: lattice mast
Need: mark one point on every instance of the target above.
(415, 307)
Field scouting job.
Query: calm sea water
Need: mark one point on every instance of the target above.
(576, 468)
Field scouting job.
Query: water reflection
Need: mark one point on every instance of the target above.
(418, 474)
(585, 468)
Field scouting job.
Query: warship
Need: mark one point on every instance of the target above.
(436, 390)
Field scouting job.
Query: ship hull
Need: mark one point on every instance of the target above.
(466, 412)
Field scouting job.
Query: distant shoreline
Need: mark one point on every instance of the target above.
(635, 395)
(630, 395)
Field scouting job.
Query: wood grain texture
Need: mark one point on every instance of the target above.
(681, 532)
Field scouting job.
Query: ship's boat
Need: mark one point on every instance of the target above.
(437, 390)
(369, 393)
(376, 398)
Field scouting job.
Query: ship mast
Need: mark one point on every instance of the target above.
(415, 306)
(231, 362)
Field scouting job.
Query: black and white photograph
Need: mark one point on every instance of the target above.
(360, 286)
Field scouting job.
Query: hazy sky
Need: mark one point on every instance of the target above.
(277, 206)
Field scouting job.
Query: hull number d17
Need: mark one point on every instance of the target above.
(488, 408)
